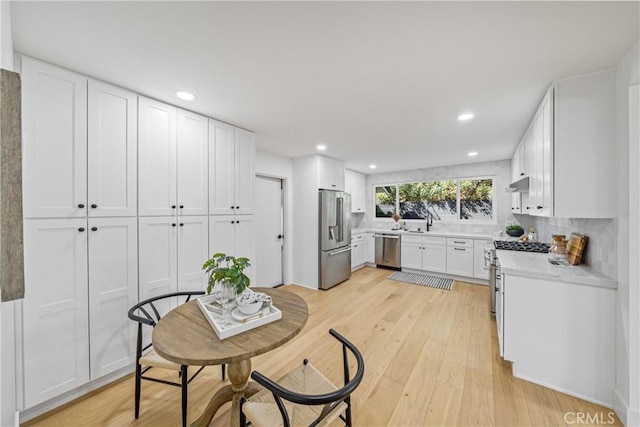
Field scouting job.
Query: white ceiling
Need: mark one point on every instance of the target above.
(377, 82)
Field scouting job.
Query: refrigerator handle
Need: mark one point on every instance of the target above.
(339, 218)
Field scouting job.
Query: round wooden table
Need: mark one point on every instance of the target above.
(184, 336)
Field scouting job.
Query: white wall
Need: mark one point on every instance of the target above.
(627, 391)
(500, 170)
(8, 413)
(276, 166)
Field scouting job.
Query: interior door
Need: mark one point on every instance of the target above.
(269, 231)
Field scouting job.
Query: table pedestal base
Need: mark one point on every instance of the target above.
(239, 377)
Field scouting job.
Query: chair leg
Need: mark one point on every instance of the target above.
(243, 418)
(348, 411)
(183, 372)
(224, 370)
(137, 393)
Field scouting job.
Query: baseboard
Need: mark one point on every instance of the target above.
(71, 395)
(628, 416)
(561, 390)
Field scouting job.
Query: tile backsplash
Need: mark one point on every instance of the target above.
(601, 250)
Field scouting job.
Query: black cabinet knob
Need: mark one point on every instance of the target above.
(81, 229)
(233, 207)
(173, 206)
(233, 222)
(521, 173)
(173, 225)
(528, 207)
(538, 207)
(182, 224)
(94, 206)
(81, 206)
(181, 206)
(94, 228)
(237, 207)
(280, 236)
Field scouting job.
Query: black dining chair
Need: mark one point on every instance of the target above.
(147, 313)
(303, 397)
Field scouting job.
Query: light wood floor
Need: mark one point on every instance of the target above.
(430, 356)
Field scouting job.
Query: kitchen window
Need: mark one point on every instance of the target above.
(451, 200)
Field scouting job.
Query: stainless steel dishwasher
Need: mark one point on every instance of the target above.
(388, 250)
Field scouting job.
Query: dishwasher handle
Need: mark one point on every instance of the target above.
(386, 236)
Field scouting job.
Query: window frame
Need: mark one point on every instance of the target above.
(458, 220)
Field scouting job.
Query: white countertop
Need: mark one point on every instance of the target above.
(536, 265)
(476, 236)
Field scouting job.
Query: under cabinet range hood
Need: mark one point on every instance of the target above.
(520, 186)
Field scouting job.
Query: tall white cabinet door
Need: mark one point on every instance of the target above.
(245, 171)
(157, 257)
(113, 290)
(193, 161)
(434, 257)
(55, 311)
(54, 120)
(411, 252)
(245, 242)
(157, 158)
(193, 251)
(221, 168)
(222, 234)
(112, 151)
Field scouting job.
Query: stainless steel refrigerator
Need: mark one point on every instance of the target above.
(335, 238)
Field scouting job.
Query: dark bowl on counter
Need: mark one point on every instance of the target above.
(515, 233)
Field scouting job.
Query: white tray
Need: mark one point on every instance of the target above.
(239, 322)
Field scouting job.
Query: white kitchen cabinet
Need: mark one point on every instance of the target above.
(113, 290)
(411, 252)
(157, 158)
(567, 346)
(193, 164)
(54, 120)
(112, 150)
(424, 253)
(479, 270)
(173, 165)
(370, 245)
(355, 184)
(172, 251)
(193, 251)
(330, 174)
(460, 256)
(358, 251)
(434, 255)
(570, 164)
(55, 313)
(80, 145)
(233, 235)
(232, 169)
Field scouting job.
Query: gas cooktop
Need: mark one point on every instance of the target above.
(506, 245)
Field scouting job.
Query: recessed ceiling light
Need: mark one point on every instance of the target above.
(372, 166)
(465, 116)
(472, 153)
(187, 96)
(321, 147)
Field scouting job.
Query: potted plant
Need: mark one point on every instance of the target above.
(515, 230)
(223, 267)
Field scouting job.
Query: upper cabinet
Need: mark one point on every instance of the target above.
(80, 145)
(355, 184)
(112, 151)
(330, 174)
(173, 167)
(157, 165)
(54, 110)
(567, 150)
(232, 163)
